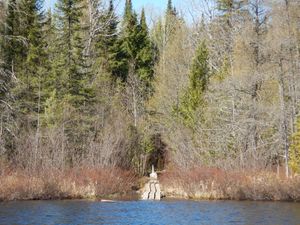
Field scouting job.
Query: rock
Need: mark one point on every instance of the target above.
(153, 174)
(151, 190)
(108, 201)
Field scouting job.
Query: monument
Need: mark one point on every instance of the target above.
(151, 191)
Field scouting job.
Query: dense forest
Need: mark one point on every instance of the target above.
(82, 86)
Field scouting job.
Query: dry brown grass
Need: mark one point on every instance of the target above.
(73, 183)
(210, 183)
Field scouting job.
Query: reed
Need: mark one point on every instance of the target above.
(212, 183)
(74, 183)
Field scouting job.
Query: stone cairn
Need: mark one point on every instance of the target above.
(151, 191)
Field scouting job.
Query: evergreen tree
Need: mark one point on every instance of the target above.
(128, 10)
(200, 69)
(193, 97)
(145, 57)
(130, 32)
(6, 46)
(171, 10)
(127, 45)
(228, 8)
(49, 46)
(74, 75)
(171, 22)
(30, 57)
(108, 46)
(11, 43)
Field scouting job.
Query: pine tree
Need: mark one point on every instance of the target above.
(127, 43)
(74, 75)
(9, 44)
(193, 97)
(130, 32)
(49, 46)
(30, 57)
(228, 8)
(171, 22)
(170, 9)
(200, 70)
(145, 57)
(128, 10)
(294, 151)
(108, 46)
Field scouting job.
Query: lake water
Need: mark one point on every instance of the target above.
(142, 212)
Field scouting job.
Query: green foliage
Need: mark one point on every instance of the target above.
(53, 115)
(200, 69)
(108, 46)
(129, 35)
(127, 11)
(147, 144)
(74, 71)
(145, 56)
(170, 9)
(294, 150)
(9, 45)
(31, 56)
(136, 50)
(56, 92)
(171, 20)
(124, 50)
(224, 70)
(193, 97)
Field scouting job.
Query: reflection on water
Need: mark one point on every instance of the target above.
(139, 212)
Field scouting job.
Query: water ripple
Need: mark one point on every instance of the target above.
(149, 213)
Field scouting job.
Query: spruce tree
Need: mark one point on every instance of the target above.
(127, 11)
(49, 46)
(9, 44)
(199, 77)
(145, 56)
(200, 69)
(228, 8)
(171, 10)
(171, 22)
(108, 46)
(74, 75)
(128, 43)
(30, 57)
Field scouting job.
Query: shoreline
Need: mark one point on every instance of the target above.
(167, 199)
(135, 196)
(118, 185)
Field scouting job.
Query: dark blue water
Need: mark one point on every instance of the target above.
(140, 212)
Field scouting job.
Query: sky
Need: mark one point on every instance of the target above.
(137, 4)
(154, 8)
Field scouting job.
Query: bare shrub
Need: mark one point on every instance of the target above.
(212, 183)
(73, 183)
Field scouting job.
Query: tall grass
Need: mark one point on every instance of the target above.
(211, 183)
(75, 183)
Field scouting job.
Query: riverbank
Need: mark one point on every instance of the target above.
(215, 184)
(117, 184)
(77, 183)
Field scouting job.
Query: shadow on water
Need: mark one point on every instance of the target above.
(147, 212)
